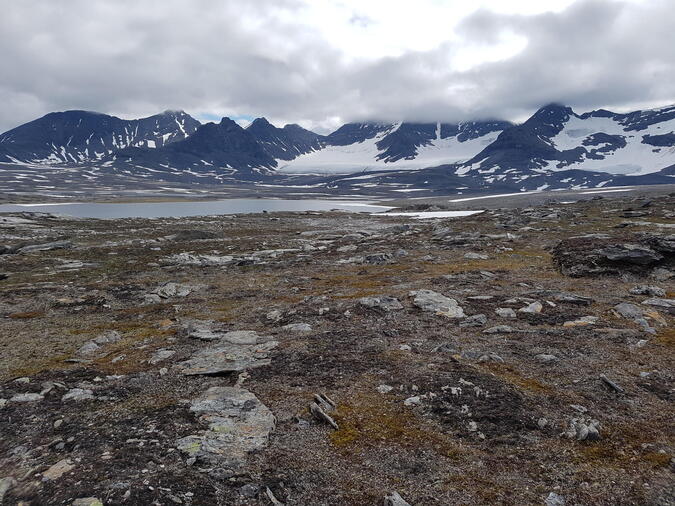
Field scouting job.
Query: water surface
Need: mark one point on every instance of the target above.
(180, 209)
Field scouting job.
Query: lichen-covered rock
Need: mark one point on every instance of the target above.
(596, 255)
(238, 423)
(383, 302)
(229, 357)
(434, 302)
(583, 429)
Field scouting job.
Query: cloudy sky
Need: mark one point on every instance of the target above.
(321, 63)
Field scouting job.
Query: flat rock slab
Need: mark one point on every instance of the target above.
(434, 302)
(227, 357)
(198, 260)
(383, 302)
(205, 331)
(238, 423)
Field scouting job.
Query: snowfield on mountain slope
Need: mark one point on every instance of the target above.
(363, 156)
(636, 158)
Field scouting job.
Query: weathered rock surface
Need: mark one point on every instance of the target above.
(395, 499)
(237, 424)
(592, 255)
(383, 302)
(6, 485)
(198, 260)
(434, 302)
(235, 351)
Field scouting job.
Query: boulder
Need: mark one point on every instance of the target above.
(601, 255)
(235, 351)
(237, 423)
(434, 302)
(383, 302)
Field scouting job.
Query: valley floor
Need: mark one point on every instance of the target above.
(124, 376)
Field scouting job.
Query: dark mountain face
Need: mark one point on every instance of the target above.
(224, 148)
(402, 142)
(352, 133)
(555, 138)
(641, 120)
(76, 137)
(284, 143)
(524, 146)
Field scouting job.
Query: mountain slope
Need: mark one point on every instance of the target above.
(76, 137)
(223, 148)
(284, 143)
(555, 139)
(357, 147)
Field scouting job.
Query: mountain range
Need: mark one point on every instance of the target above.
(554, 148)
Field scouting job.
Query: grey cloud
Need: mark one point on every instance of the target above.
(135, 58)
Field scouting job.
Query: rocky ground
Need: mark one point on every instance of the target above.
(519, 356)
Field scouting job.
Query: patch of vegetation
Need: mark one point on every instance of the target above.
(666, 337)
(511, 375)
(26, 315)
(371, 420)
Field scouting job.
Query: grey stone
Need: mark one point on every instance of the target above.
(428, 300)
(505, 312)
(28, 397)
(198, 260)
(249, 490)
(628, 310)
(477, 320)
(274, 315)
(382, 302)
(171, 289)
(490, 357)
(377, 258)
(160, 356)
(535, 307)
(546, 358)
(243, 337)
(48, 246)
(6, 484)
(475, 256)
(631, 253)
(57, 470)
(394, 499)
(94, 345)
(662, 274)
(669, 304)
(412, 401)
(298, 327)
(238, 423)
(583, 429)
(203, 330)
(78, 394)
(581, 322)
(228, 357)
(554, 499)
(499, 329)
(651, 290)
(88, 348)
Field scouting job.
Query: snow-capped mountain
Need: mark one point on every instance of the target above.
(555, 148)
(221, 150)
(284, 143)
(358, 147)
(76, 137)
(214, 149)
(556, 139)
